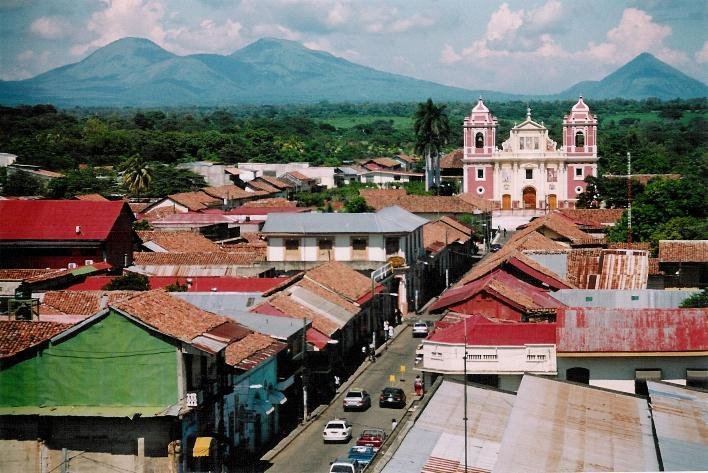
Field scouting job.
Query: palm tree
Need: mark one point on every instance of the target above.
(432, 130)
(137, 174)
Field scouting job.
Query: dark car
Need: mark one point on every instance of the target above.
(392, 397)
(494, 247)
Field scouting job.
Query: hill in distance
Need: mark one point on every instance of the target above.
(138, 72)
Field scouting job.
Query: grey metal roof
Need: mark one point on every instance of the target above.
(436, 441)
(622, 299)
(561, 426)
(681, 422)
(388, 220)
(332, 311)
(234, 306)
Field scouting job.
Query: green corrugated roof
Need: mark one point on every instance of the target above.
(86, 411)
(83, 270)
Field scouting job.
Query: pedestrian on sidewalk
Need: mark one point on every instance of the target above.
(336, 382)
(386, 325)
(391, 331)
(418, 386)
(394, 423)
(397, 316)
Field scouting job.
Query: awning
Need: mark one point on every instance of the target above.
(647, 374)
(276, 397)
(201, 446)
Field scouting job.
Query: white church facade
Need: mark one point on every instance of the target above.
(530, 171)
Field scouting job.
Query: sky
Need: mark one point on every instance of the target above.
(516, 46)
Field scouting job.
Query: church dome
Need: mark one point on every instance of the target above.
(580, 106)
(480, 107)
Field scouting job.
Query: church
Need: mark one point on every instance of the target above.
(530, 171)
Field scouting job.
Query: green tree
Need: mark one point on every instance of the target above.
(129, 282)
(23, 183)
(357, 205)
(137, 174)
(432, 131)
(697, 300)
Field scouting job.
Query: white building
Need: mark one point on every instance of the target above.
(529, 171)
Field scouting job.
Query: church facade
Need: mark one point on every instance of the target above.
(530, 171)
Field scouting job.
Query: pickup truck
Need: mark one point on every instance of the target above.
(372, 438)
(345, 466)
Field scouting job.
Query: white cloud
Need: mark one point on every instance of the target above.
(702, 55)
(49, 27)
(415, 21)
(208, 37)
(275, 30)
(448, 55)
(504, 23)
(545, 16)
(338, 14)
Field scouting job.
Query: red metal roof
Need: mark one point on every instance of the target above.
(482, 331)
(199, 283)
(58, 219)
(632, 330)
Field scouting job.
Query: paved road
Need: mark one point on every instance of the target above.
(308, 454)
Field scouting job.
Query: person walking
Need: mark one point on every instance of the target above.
(418, 386)
(336, 383)
(394, 423)
(391, 332)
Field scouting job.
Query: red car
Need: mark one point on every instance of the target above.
(372, 438)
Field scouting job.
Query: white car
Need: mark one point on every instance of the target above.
(420, 329)
(337, 430)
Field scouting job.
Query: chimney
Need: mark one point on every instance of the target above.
(78, 229)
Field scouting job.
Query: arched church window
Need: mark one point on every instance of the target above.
(579, 139)
(479, 140)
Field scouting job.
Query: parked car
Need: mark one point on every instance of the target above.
(356, 398)
(494, 247)
(373, 438)
(345, 466)
(362, 455)
(420, 329)
(394, 397)
(337, 430)
(418, 355)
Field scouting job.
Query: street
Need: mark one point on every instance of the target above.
(307, 452)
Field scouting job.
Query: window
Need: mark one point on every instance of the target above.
(579, 172)
(392, 246)
(292, 244)
(579, 139)
(324, 249)
(578, 189)
(480, 190)
(535, 357)
(529, 173)
(578, 375)
(486, 355)
(479, 140)
(635, 298)
(588, 298)
(358, 244)
(480, 174)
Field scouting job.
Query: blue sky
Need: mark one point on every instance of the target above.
(521, 46)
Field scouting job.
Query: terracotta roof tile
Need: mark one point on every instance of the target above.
(589, 217)
(79, 302)
(482, 204)
(407, 158)
(684, 251)
(560, 226)
(452, 160)
(228, 191)
(91, 197)
(442, 232)
(251, 350)
(299, 176)
(263, 186)
(654, 267)
(275, 182)
(608, 269)
(644, 179)
(25, 274)
(169, 315)
(384, 162)
(157, 213)
(244, 256)
(328, 295)
(341, 279)
(180, 242)
(17, 336)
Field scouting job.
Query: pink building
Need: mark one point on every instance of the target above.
(530, 171)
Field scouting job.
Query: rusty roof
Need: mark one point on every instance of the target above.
(245, 256)
(17, 336)
(562, 426)
(252, 350)
(180, 241)
(328, 295)
(608, 269)
(341, 279)
(169, 315)
(407, 158)
(582, 330)
(683, 251)
(80, 302)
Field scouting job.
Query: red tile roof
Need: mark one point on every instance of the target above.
(558, 227)
(286, 305)
(683, 251)
(594, 217)
(341, 279)
(58, 219)
(299, 176)
(169, 315)
(482, 204)
(198, 283)
(252, 350)
(80, 302)
(179, 242)
(17, 336)
(452, 160)
(91, 197)
(245, 257)
(478, 330)
(195, 201)
(582, 330)
(272, 202)
(274, 181)
(228, 191)
(444, 231)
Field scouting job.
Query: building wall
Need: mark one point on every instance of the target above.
(484, 304)
(501, 360)
(113, 362)
(618, 373)
(342, 248)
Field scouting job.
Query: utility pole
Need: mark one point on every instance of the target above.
(465, 394)
(304, 371)
(629, 197)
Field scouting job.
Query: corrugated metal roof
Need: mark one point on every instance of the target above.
(332, 311)
(389, 220)
(435, 444)
(483, 332)
(625, 299)
(632, 330)
(91, 411)
(681, 423)
(560, 426)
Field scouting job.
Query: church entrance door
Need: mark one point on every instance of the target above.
(552, 201)
(506, 202)
(529, 198)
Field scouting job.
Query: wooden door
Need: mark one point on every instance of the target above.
(506, 202)
(552, 201)
(529, 198)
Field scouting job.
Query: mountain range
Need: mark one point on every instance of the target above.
(138, 72)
